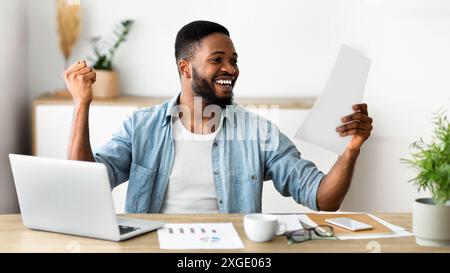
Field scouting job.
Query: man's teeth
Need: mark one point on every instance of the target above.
(224, 82)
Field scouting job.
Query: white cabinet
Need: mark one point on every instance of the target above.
(53, 124)
(52, 118)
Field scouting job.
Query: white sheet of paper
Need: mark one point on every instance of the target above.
(344, 88)
(199, 236)
(293, 221)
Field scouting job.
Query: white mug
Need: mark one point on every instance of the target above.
(262, 227)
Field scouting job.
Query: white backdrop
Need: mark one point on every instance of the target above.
(286, 48)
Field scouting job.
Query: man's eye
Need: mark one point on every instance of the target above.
(216, 60)
(234, 61)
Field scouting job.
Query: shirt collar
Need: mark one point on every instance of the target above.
(170, 106)
(229, 113)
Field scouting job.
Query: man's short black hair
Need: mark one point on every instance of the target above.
(189, 36)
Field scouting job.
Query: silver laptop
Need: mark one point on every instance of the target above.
(71, 197)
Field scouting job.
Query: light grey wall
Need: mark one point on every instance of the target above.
(13, 95)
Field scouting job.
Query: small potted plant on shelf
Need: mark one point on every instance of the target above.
(107, 81)
(431, 216)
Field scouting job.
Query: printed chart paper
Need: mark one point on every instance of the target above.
(199, 236)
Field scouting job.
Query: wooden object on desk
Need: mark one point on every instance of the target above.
(14, 237)
(378, 228)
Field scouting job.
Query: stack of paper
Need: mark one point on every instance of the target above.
(292, 221)
(397, 232)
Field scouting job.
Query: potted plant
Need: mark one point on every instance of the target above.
(431, 216)
(107, 81)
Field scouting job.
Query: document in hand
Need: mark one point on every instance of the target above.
(344, 88)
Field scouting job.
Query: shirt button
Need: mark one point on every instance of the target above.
(216, 172)
(215, 144)
(220, 201)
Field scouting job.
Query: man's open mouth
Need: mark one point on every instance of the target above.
(225, 84)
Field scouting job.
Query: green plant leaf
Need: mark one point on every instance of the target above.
(432, 161)
(103, 59)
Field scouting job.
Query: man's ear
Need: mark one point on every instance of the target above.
(184, 68)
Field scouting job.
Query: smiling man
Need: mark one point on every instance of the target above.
(202, 153)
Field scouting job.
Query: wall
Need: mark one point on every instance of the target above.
(13, 95)
(268, 35)
(409, 42)
(287, 48)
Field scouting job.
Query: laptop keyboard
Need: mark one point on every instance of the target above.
(127, 229)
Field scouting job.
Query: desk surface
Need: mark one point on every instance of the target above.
(14, 237)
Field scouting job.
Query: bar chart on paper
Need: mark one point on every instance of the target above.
(199, 236)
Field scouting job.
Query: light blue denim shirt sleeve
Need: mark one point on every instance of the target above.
(116, 154)
(291, 174)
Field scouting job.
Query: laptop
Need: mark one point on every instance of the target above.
(71, 197)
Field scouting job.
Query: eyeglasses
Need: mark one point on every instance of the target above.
(306, 234)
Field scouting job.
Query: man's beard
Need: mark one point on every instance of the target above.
(204, 89)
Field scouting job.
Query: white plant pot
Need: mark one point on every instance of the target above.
(431, 223)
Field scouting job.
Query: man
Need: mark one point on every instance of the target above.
(200, 152)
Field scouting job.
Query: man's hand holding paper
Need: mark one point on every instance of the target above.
(358, 125)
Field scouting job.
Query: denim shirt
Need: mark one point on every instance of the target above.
(247, 151)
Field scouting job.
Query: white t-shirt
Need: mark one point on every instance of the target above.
(191, 187)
